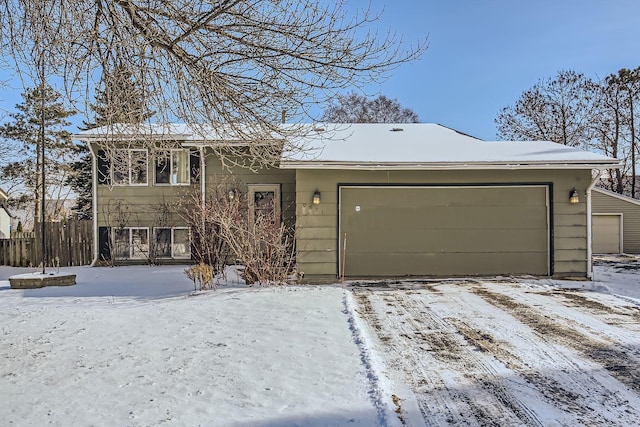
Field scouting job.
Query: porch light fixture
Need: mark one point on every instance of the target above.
(232, 194)
(316, 198)
(573, 196)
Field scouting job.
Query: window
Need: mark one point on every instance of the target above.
(264, 203)
(130, 242)
(173, 242)
(172, 167)
(123, 167)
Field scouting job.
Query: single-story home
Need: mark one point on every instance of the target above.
(374, 199)
(616, 223)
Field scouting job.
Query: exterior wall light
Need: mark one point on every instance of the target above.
(316, 198)
(573, 196)
(232, 194)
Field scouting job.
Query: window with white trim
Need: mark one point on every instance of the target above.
(173, 242)
(172, 167)
(129, 167)
(130, 242)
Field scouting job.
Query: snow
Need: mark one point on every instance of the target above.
(136, 346)
(427, 144)
(376, 144)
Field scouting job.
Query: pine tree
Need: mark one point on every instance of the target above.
(23, 130)
(117, 101)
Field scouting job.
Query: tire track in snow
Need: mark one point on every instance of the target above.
(469, 390)
(375, 392)
(559, 383)
(618, 362)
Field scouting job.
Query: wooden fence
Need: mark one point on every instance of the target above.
(66, 244)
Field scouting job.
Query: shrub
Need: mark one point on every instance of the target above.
(202, 276)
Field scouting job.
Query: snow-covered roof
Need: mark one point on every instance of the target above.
(188, 133)
(374, 146)
(424, 146)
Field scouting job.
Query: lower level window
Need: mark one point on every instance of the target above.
(131, 242)
(173, 242)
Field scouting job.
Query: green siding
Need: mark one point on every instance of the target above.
(603, 202)
(145, 206)
(321, 256)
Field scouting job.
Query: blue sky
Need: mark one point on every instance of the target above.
(484, 53)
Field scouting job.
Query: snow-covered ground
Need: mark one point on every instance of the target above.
(133, 346)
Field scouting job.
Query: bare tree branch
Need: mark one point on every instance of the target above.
(236, 62)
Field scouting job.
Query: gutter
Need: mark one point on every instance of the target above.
(446, 165)
(94, 197)
(595, 179)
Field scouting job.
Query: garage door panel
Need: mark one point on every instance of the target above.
(447, 240)
(443, 217)
(449, 264)
(446, 196)
(435, 230)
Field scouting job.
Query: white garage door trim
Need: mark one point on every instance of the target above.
(343, 244)
(621, 230)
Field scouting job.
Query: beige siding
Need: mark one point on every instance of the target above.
(606, 234)
(603, 202)
(321, 256)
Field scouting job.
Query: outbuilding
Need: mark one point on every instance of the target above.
(616, 223)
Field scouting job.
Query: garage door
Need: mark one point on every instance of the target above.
(607, 237)
(398, 231)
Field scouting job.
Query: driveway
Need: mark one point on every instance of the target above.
(505, 352)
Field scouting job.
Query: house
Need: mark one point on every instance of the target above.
(372, 199)
(616, 223)
(5, 216)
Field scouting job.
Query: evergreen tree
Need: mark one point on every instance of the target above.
(118, 100)
(23, 168)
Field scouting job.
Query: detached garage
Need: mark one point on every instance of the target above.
(616, 223)
(425, 200)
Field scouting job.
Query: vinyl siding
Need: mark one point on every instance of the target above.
(602, 202)
(319, 256)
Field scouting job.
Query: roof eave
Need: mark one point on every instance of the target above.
(288, 164)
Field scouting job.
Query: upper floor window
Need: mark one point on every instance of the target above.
(123, 167)
(130, 167)
(173, 167)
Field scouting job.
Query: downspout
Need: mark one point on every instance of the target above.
(94, 202)
(202, 181)
(595, 179)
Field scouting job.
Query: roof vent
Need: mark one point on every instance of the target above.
(396, 129)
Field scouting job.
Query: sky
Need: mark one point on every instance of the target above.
(484, 53)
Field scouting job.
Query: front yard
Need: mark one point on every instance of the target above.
(132, 346)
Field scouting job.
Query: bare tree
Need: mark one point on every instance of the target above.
(558, 110)
(609, 130)
(238, 62)
(356, 108)
(628, 82)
